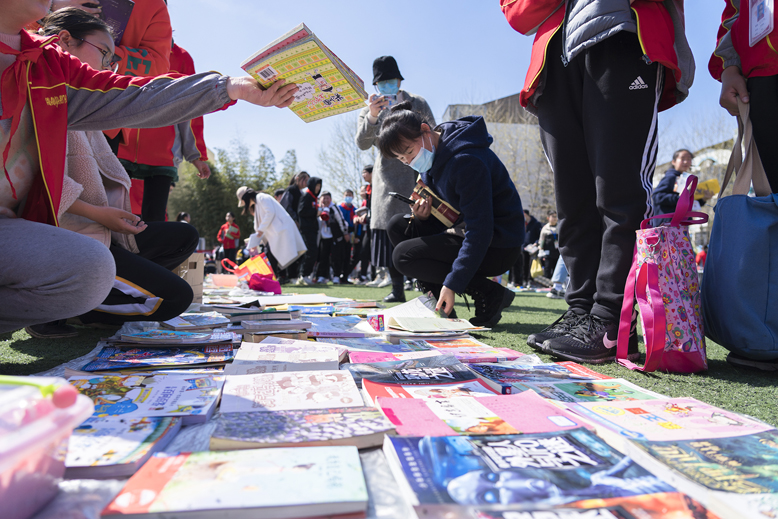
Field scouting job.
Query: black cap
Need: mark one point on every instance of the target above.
(385, 68)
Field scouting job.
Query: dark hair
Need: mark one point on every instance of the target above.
(348, 191)
(181, 216)
(368, 168)
(678, 152)
(78, 23)
(230, 213)
(249, 196)
(526, 211)
(279, 191)
(294, 179)
(551, 213)
(401, 126)
(325, 193)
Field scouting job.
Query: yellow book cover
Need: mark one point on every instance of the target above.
(711, 185)
(326, 85)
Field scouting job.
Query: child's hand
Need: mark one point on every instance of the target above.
(118, 220)
(203, 171)
(445, 301)
(421, 209)
(248, 89)
(376, 103)
(733, 85)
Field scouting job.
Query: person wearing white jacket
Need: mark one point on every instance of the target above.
(272, 225)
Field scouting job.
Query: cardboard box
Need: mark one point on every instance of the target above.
(192, 272)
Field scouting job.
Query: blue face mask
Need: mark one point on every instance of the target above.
(348, 199)
(422, 162)
(389, 87)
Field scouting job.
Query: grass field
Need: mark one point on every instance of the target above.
(750, 392)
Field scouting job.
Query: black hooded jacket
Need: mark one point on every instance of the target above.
(308, 209)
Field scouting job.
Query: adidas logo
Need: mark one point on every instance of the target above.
(638, 84)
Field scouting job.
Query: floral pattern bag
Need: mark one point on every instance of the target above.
(664, 282)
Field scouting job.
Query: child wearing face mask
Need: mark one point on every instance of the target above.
(455, 162)
(354, 247)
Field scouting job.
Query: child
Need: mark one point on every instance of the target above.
(600, 72)
(229, 236)
(45, 92)
(348, 211)
(334, 236)
(308, 218)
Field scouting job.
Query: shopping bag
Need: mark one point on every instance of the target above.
(739, 291)
(264, 283)
(535, 269)
(663, 279)
(255, 265)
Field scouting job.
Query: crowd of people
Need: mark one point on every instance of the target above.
(76, 146)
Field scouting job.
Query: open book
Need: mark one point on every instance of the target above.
(326, 85)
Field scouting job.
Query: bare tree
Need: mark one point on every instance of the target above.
(341, 161)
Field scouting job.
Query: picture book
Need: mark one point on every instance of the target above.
(443, 389)
(517, 373)
(297, 335)
(162, 338)
(264, 357)
(116, 14)
(662, 505)
(362, 427)
(192, 321)
(112, 358)
(113, 447)
(246, 484)
(466, 349)
(508, 414)
(366, 357)
(313, 309)
(430, 324)
(384, 371)
(326, 86)
(359, 312)
(268, 325)
(441, 209)
(440, 474)
(130, 396)
(375, 344)
(603, 391)
(289, 391)
(334, 327)
(670, 419)
(308, 344)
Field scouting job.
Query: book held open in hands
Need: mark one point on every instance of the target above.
(326, 86)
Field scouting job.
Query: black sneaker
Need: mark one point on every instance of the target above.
(558, 328)
(741, 361)
(591, 340)
(52, 330)
(396, 296)
(490, 299)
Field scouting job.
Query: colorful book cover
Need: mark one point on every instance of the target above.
(468, 350)
(202, 483)
(671, 419)
(429, 324)
(334, 327)
(508, 414)
(384, 371)
(366, 344)
(166, 336)
(305, 344)
(313, 310)
(265, 325)
(189, 321)
(603, 391)
(524, 471)
(664, 505)
(290, 391)
(129, 396)
(441, 209)
(112, 357)
(111, 447)
(443, 389)
(360, 426)
(264, 357)
(366, 357)
(325, 85)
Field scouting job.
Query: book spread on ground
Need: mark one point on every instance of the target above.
(192, 321)
(441, 209)
(365, 344)
(246, 484)
(267, 325)
(507, 414)
(265, 357)
(129, 396)
(527, 471)
(116, 14)
(430, 324)
(114, 447)
(290, 391)
(514, 374)
(569, 391)
(384, 371)
(314, 309)
(309, 344)
(466, 349)
(366, 357)
(162, 338)
(362, 427)
(442, 389)
(422, 306)
(298, 335)
(111, 357)
(334, 327)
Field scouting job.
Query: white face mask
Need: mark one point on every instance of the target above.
(422, 162)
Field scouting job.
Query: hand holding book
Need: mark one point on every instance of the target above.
(248, 89)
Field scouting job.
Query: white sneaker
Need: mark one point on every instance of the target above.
(307, 280)
(322, 281)
(379, 277)
(387, 281)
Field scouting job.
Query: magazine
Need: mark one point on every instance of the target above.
(384, 371)
(267, 357)
(466, 349)
(444, 388)
(569, 391)
(334, 327)
(113, 358)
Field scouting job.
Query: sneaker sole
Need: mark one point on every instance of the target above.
(37, 335)
(588, 360)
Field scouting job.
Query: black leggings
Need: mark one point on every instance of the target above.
(155, 194)
(145, 289)
(310, 237)
(429, 257)
(763, 92)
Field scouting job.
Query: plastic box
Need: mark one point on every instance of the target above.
(33, 443)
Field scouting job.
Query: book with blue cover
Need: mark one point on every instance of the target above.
(113, 358)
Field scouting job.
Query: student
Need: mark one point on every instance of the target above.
(291, 199)
(548, 241)
(353, 246)
(333, 233)
(364, 220)
(455, 162)
(279, 194)
(45, 92)
(308, 219)
(600, 72)
(229, 236)
(184, 217)
(666, 193)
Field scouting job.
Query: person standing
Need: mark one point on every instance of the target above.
(229, 237)
(291, 197)
(548, 243)
(389, 174)
(348, 211)
(666, 193)
(308, 217)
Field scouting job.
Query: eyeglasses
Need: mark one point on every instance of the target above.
(110, 61)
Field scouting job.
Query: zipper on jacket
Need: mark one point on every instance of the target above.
(565, 61)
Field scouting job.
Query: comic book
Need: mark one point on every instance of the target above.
(374, 344)
(362, 427)
(510, 414)
(368, 357)
(268, 357)
(114, 447)
(246, 484)
(439, 385)
(387, 371)
(577, 390)
(334, 327)
(326, 86)
(466, 349)
(289, 391)
(443, 474)
(268, 325)
(192, 397)
(113, 358)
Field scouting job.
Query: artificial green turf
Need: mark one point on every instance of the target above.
(747, 391)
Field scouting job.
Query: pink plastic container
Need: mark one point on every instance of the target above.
(33, 442)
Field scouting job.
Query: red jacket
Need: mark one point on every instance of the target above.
(757, 61)
(50, 76)
(155, 146)
(655, 32)
(229, 235)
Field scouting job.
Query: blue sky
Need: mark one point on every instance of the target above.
(449, 51)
